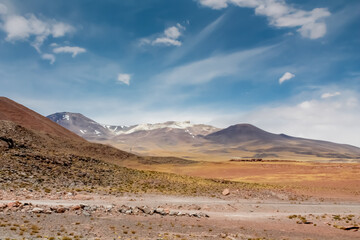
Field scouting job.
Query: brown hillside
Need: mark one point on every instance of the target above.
(14, 112)
(29, 128)
(37, 161)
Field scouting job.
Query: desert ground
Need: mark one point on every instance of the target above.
(323, 180)
(55, 185)
(151, 216)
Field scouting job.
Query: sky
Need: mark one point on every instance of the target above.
(286, 66)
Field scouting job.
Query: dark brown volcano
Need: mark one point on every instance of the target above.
(242, 133)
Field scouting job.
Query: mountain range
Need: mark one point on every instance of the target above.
(205, 142)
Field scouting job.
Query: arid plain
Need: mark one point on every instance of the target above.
(56, 185)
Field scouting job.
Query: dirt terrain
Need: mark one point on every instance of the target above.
(58, 187)
(338, 180)
(92, 216)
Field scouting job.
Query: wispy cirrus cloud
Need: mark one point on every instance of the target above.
(310, 24)
(330, 95)
(192, 42)
(203, 71)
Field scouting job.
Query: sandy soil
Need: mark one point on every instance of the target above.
(323, 180)
(229, 218)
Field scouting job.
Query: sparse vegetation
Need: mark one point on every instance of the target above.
(33, 154)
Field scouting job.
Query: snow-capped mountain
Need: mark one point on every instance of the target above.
(91, 130)
(184, 139)
(81, 125)
(192, 129)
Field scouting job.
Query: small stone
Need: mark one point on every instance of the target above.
(86, 214)
(76, 207)
(226, 192)
(83, 205)
(37, 210)
(201, 214)
(173, 213)
(223, 235)
(48, 212)
(182, 214)
(109, 208)
(14, 204)
(160, 211)
(60, 210)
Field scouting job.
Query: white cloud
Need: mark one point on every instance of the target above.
(29, 27)
(310, 24)
(168, 38)
(287, 76)
(330, 95)
(172, 32)
(166, 41)
(49, 57)
(67, 49)
(124, 78)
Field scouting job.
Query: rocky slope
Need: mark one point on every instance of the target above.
(44, 162)
(17, 113)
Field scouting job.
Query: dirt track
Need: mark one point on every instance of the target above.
(228, 218)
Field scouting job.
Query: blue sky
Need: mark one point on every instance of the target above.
(285, 66)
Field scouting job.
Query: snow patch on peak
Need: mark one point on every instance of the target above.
(66, 117)
(149, 126)
(115, 129)
(190, 133)
(83, 131)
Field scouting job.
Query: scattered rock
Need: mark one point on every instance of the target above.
(147, 210)
(109, 208)
(160, 211)
(14, 204)
(201, 214)
(60, 210)
(223, 235)
(173, 213)
(48, 212)
(86, 214)
(83, 205)
(226, 192)
(350, 228)
(76, 207)
(37, 210)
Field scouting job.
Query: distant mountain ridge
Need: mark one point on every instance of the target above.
(241, 133)
(91, 130)
(199, 141)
